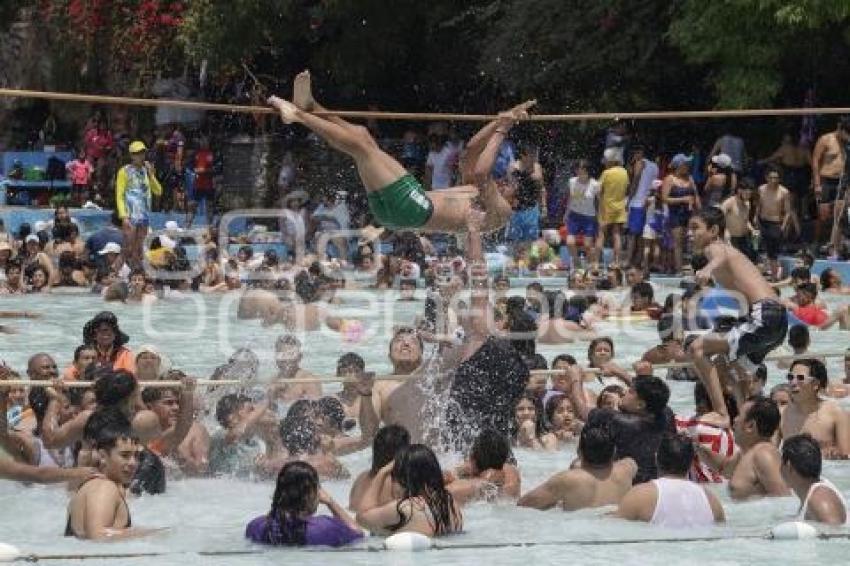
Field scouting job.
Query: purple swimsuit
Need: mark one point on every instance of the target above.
(321, 531)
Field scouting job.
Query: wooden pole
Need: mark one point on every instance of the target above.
(335, 379)
(422, 116)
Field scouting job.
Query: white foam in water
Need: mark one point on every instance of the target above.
(211, 514)
(8, 553)
(793, 530)
(408, 542)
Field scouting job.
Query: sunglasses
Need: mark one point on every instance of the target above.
(801, 378)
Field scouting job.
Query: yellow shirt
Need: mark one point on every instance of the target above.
(614, 184)
(133, 190)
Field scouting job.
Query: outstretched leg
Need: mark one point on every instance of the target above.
(376, 168)
(302, 97)
(700, 351)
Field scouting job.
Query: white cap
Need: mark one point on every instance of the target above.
(167, 242)
(722, 160)
(173, 226)
(31, 238)
(110, 248)
(613, 154)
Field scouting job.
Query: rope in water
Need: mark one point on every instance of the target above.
(373, 115)
(434, 546)
(341, 379)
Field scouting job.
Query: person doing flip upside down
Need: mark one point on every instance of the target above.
(397, 200)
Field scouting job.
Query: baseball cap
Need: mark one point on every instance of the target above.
(167, 242)
(110, 248)
(31, 238)
(138, 147)
(173, 226)
(722, 160)
(680, 159)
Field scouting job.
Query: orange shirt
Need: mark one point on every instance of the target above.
(122, 359)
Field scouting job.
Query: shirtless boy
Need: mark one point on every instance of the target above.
(598, 480)
(738, 210)
(775, 216)
(99, 509)
(807, 413)
(487, 473)
(396, 198)
(749, 341)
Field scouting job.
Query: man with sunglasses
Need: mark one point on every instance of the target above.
(824, 420)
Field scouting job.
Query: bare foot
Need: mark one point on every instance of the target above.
(288, 111)
(302, 92)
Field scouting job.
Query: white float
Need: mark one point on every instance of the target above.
(793, 530)
(408, 542)
(9, 553)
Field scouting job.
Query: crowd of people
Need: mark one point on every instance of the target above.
(486, 392)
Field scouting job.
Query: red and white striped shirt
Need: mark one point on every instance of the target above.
(718, 440)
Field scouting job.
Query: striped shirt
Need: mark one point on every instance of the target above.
(716, 439)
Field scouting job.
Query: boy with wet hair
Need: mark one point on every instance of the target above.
(99, 509)
(389, 440)
(750, 340)
(487, 473)
(596, 480)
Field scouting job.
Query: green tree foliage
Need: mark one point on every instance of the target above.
(754, 48)
(478, 54)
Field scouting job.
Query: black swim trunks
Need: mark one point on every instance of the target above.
(771, 237)
(831, 189)
(755, 336)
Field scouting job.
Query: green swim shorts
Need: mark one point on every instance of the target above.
(401, 204)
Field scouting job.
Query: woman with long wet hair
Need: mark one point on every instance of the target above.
(423, 504)
(292, 520)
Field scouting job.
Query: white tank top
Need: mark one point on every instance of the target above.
(801, 516)
(681, 504)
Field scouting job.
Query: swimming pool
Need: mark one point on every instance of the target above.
(197, 333)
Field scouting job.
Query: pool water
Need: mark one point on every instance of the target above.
(205, 515)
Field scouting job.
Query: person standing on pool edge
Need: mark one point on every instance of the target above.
(134, 187)
(396, 199)
(749, 341)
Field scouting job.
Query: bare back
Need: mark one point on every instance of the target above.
(97, 497)
(588, 488)
(422, 521)
(737, 273)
